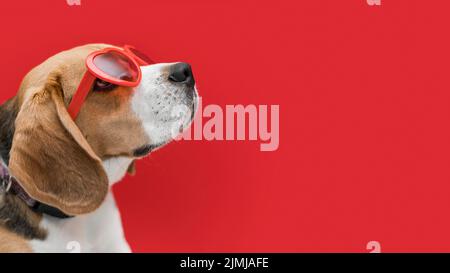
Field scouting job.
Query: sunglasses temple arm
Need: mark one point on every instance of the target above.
(80, 95)
(142, 63)
(137, 59)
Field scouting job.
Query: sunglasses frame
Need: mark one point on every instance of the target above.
(129, 49)
(93, 73)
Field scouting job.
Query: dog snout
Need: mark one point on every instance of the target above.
(181, 73)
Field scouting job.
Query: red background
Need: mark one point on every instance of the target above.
(364, 140)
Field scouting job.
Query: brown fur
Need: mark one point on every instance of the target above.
(51, 158)
(117, 131)
(132, 168)
(12, 243)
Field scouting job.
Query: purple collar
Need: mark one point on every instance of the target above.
(9, 184)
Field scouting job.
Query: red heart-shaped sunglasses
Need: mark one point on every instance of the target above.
(113, 65)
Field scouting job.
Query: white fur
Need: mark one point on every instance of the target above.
(116, 168)
(163, 107)
(99, 231)
(157, 103)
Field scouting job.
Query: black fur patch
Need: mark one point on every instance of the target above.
(143, 151)
(8, 114)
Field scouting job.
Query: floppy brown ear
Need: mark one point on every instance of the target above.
(50, 157)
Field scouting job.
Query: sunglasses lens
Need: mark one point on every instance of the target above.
(141, 55)
(117, 66)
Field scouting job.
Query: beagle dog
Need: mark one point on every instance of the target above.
(56, 173)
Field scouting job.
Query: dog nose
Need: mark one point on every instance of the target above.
(181, 73)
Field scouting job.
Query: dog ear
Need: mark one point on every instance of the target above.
(50, 157)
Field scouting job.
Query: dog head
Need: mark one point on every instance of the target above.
(57, 160)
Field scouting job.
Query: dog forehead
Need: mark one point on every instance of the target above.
(69, 66)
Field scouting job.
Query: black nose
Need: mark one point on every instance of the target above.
(181, 73)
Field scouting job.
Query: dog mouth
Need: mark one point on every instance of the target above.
(144, 150)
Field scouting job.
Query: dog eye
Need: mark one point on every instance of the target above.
(101, 85)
